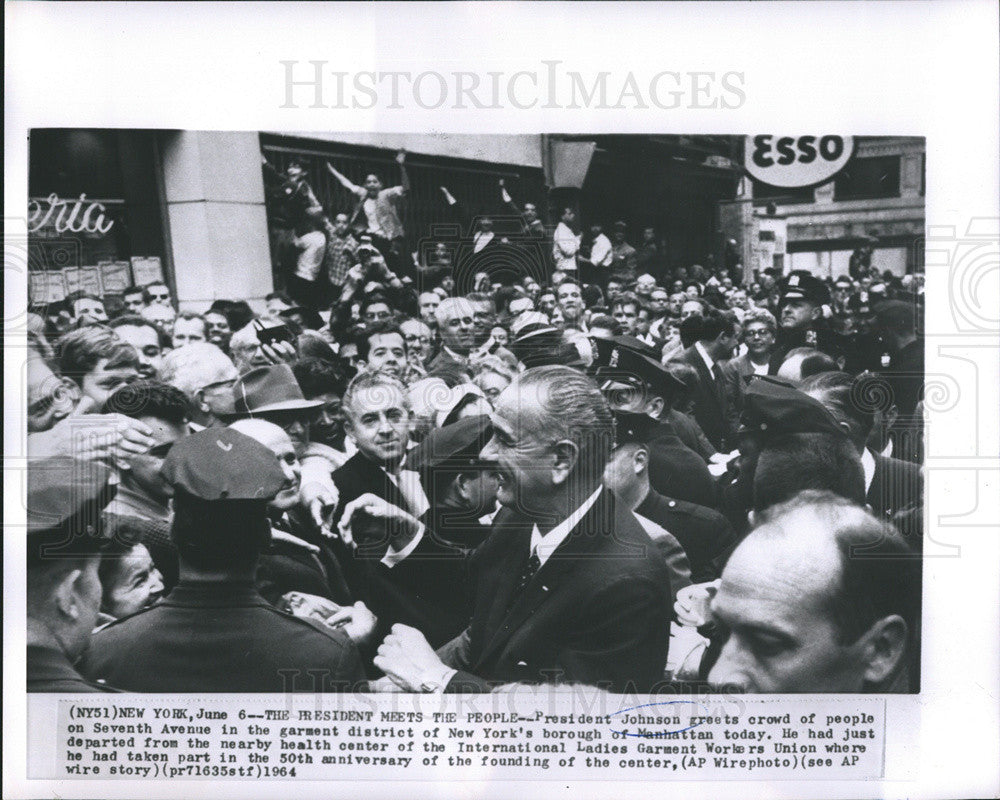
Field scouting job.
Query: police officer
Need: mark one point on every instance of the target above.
(431, 588)
(214, 632)
(634, 381)
(773, 412)
(704, 534)
(65, 498)
(800, 317)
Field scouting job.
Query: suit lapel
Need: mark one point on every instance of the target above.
(582, 541)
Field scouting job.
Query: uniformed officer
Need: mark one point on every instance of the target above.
(775, 412)
(800, 317)
(431, 588)
(214, 632)
(704, 534)
(461, 487)
(634, 381)
(65, 498)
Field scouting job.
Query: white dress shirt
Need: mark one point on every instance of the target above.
(544, 546)
(868, 465)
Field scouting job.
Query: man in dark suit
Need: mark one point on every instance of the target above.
(571, 589)
(891, 485)
(716, 340)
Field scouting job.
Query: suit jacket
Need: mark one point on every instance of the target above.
(425, 589)
(597, 612)
(896, 486)
(711, 407)
(735, 371)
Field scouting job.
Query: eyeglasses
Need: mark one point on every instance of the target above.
(457, 323)
(412, 337)
(757, 334)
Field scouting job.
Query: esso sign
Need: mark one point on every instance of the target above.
(796, 161)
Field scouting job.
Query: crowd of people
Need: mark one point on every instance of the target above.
(541, 457)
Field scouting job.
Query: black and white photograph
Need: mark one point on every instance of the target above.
(603, 410)
(476, 399)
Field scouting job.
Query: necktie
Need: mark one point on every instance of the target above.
(531, 566)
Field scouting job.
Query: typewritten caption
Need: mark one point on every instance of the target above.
(420, 737)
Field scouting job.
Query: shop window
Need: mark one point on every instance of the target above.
(868, 179)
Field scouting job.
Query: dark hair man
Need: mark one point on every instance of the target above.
(557, 598)
(188, 328)
(716, 340)
(86, 308)
(133, 299)
(382, 348)
(222, 483)
(217, 329)
(98, 361)
(625, 310)
(820, 597)
(891, 485)
(143, 491)
(145, 337)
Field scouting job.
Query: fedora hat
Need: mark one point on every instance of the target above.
(271, 388)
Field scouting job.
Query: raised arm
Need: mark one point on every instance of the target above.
(344, 180)
(404, 178)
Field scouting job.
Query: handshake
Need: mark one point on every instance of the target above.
(409, 662)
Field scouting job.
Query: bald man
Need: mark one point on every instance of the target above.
(299, 558)
(820, 597)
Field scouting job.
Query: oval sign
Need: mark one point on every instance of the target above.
(796, 161)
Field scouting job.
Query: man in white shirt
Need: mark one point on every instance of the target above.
(569, 587)
(565, 243)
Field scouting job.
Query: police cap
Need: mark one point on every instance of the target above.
(803, 285)
(772, 408)
(631, 428)
(620, 362)
(223, 464)
(454, 447)
(65, 500)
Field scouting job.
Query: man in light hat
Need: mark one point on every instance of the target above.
(65, 498)
(223, 482)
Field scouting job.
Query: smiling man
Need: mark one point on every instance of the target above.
(568, 587)
(820, 597)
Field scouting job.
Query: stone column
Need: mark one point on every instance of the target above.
(214, 193)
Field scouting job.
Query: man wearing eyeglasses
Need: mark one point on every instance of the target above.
(418, 336)
(457, 327)
(207, 376)
(142, 491)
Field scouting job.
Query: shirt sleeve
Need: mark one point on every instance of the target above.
(393, 556)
